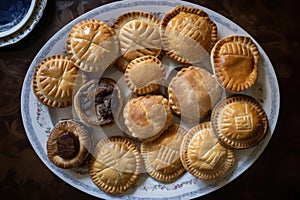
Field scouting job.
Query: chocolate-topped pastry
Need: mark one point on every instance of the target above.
(68, 144)
(98, 101)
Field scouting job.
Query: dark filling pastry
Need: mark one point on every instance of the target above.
(67, 145)
(103, 101)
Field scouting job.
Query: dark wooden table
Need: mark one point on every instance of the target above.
(275, 175)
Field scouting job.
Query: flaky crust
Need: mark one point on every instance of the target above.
(239, 122)
(188, 34)
(235, 62)
(53, 81)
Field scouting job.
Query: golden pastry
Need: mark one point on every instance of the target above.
(68, 144)
(203, 156)
(162, 156)
(139, 36)
(92, 45)
(235, 62)
(188, 34)
(239, 122)
(147, 117)
(53, 81)
(193, 92)
(144, 75)
(115, 165)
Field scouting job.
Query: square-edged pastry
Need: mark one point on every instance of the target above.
(93, 45)
(235, 62)
(139, 36)
(54, 80)
(188, 34)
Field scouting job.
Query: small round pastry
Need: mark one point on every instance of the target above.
(239, 121)
(162, 156)
(98, 102)
(147, 117)
(188, 34)
(68, 144)
(115, 165)
(139, 36)
(203, 155)
(144, 75)
(235, 63)
(53, 81)
(193, 92)
(92, 45)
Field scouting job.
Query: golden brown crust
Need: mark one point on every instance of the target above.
(92, 45)
(193, 92)
(81, 132)
(162, 156)
(144, 75)
(203, 156)
(139, 36)
(239, 122)
(187, 34)
(53, 81)
(115, 165)
(235, 62)
(147, 117)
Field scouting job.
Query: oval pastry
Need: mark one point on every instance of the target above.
(203, 156)
(92, 45)
(193, 92)
(144, 75)
(115, 165)
(147, 117)
(188, 34)
(239, 122)
(235, 63)
(98, 102)
(139, 36)
(53, 81)
(162, 156)
(68, 144)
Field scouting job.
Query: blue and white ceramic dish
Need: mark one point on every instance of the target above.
(18, 18)
(38, 119)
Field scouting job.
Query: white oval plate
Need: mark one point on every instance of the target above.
(38, 119)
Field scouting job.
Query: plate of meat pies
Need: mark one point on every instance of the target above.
(150, 99)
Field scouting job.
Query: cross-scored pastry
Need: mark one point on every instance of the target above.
(139, 36)
(235, 62)
(188, 34)
(144, 75)
(68, 144)
(98, 102)
(239, 121)
(203, 155)
(54, 79)
(162, 156)
(92, 45)
(115, 165)
(147, 117)
(193, 92)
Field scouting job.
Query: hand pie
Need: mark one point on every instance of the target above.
(92, 45)
(239, 121)
(98, 102)
(53, 81)
(193, 92)
(147, 117)
(68, 144)
(115, 165)
(144, 75)
(139, 36)
(235, 63)
(162, 156)
(203, 156)
(188, 34)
